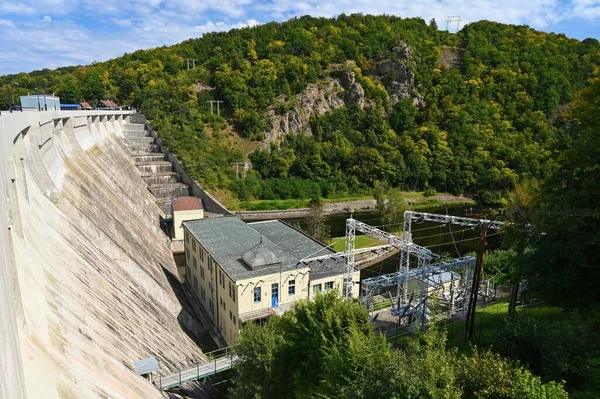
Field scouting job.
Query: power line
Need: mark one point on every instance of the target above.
(466, 239)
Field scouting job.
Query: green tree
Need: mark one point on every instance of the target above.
(559, 256)
(390, 204)
(317, 222)
(92, 87)
(69, 91)
(328, 348)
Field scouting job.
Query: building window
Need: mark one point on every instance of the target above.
(257, 295)
(201, 272)
(196, 283)
(230, 315)
(329, 286)
(317, 288)
(194, 245)
(234, 321)
(201, 254)
(210, 265)
(233, 292)
(195, 264)
(292, 288)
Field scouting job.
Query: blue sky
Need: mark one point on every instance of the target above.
(36, 34)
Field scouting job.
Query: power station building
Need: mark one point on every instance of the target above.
(244, 272)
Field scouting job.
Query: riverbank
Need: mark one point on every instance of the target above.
(417, 201)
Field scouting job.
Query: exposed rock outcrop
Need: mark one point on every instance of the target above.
(345, 90)
(334, 93)
(397, 76)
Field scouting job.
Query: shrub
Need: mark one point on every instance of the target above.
(430, 192)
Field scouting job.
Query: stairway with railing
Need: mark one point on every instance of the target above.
(157, 172)
(219, 361)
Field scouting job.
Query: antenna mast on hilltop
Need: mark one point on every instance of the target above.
(451, 19)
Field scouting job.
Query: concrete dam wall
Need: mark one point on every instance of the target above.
(83, 264)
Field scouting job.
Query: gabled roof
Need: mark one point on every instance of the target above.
(186, 204)
(108, 103)
(85, 105)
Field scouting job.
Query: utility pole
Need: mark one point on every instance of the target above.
(514, 296)
(218, 107)
(237, 169)
(470, 321)
(37, 93)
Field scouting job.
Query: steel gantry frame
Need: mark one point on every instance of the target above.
(410, 216)
(427, 281)
(461, 269)
(424, 255)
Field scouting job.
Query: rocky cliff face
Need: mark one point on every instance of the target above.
(397, 76)
(317, 100)
(346, 91)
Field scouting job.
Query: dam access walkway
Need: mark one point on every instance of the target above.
(220, 360)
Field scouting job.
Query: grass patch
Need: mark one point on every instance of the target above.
(351, 198)
(267, 205)
(428, 203)
(362, 241)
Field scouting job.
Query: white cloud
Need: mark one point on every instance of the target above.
(587, 9)
(222, 26)
(123, 22)
(7, 22)
(14, 8)
(47, 18)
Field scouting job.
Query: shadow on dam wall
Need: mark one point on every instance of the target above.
(83, 292)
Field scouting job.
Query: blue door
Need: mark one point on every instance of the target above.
(274, 294)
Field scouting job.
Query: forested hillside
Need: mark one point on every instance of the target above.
(330, 106)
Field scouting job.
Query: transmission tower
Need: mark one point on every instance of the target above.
(193, 63)
(452, 19)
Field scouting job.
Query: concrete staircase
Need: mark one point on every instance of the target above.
(158, 173)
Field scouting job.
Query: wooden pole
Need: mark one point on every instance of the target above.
(470, 322)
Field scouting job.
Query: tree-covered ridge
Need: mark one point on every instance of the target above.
(479, 128)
